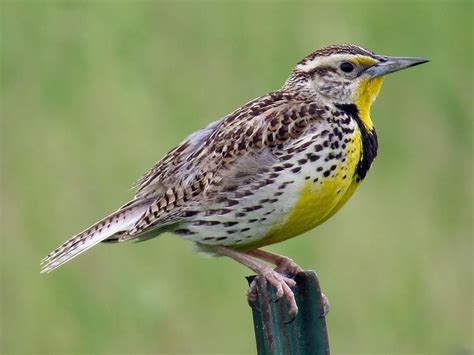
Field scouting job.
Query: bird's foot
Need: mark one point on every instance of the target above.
(281, 283)
(326, 304)
(288, 267)
(284, 266)
(280, 277)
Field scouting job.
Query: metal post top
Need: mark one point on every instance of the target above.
(278, 333)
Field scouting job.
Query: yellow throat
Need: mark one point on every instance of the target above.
(366, 94)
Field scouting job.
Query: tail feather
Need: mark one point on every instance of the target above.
(116, 223)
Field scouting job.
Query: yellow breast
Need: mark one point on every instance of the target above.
(319, 201)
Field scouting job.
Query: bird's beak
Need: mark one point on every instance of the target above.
(389, 65)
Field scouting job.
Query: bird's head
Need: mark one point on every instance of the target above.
(347, 74)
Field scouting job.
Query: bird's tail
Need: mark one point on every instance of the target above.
(116, 223)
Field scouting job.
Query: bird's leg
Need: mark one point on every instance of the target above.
(281, 283)
(284, 265)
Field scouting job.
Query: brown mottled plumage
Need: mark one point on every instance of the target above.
(283, 116)
(272, 169)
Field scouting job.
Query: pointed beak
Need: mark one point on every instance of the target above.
(389, 65)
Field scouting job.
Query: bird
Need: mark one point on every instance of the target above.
(272, 169)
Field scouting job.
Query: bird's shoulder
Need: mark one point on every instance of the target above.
(263, 123)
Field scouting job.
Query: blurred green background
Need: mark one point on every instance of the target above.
(94, 92)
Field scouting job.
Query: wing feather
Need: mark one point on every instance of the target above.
(224, 152)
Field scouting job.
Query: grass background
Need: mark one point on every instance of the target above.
(94, 92)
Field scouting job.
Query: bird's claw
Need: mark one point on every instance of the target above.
(252, 291)
(282, 285)
(325, 303)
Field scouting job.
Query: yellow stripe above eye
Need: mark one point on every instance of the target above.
(364, 61)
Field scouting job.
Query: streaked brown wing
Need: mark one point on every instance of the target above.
(222, 154)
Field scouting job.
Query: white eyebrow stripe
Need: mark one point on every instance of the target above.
(310, 65)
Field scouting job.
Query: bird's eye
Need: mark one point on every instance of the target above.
(346, 67)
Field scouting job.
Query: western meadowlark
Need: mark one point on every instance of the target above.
(274, 168)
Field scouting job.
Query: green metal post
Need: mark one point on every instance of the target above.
(276, 332)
